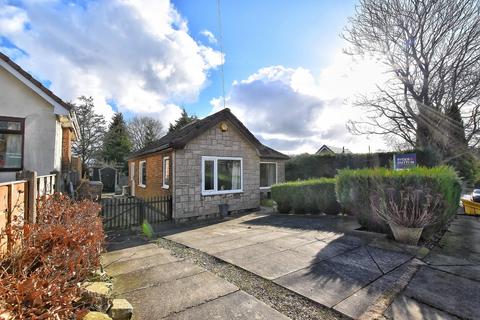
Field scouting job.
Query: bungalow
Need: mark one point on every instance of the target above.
(36, 127)
(208, 163)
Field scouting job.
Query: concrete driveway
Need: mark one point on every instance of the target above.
(326, 260)
(161, 286)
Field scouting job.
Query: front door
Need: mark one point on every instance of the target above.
(132, 178)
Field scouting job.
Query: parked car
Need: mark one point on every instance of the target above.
(476, 195)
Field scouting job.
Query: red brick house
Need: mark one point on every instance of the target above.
(213, 161)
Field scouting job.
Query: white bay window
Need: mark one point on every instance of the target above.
(222, 175)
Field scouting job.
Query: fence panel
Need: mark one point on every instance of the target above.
(13, 202)
(123, 213)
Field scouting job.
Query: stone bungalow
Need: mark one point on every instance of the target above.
(210, 162)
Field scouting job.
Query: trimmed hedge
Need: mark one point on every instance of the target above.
(309, 196)
(310, 166)
(354, 187)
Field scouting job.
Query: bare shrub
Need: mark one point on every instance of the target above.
(409, 207)
(47, 260)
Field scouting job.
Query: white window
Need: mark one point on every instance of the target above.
(142, 174)
(268, 174)
(222, 175)
(166, 172)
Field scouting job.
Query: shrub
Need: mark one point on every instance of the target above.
(410, 207)
(309, 196)
(354, 188)
(48, 259)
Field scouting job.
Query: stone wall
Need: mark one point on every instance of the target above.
(188, 199)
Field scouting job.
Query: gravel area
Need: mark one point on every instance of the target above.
(283, 300)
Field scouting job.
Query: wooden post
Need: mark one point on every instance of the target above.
(141, 213)
(31, 205)
(59, 185)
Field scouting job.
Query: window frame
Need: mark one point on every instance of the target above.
(215, 190)
(21, 132)
(164, 185)
(276, 173)
(141, 183)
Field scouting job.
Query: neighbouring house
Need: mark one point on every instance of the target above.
(332, 150)
(36, 127)
(209, 163)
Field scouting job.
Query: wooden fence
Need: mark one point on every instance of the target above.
(20, 196)
(123, 213)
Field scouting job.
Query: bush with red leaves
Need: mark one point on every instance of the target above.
(40, 275)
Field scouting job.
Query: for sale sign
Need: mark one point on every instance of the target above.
(404, 161)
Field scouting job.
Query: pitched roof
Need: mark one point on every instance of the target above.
(33, 81)
(180, 138)
(334, 149)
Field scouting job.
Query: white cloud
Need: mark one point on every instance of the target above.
(209, 35)
(137, 53)
(293, 111)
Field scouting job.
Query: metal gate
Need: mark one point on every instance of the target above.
(123, 213)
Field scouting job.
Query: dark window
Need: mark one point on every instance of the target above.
(143, 173)
(11, 143)
(268, 174)
(209, 175)
(166, 172)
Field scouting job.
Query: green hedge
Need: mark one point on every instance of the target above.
(353, 189)
(310, 166)
(309, 196)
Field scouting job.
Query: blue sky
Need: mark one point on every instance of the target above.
(263, 33)
(286, 77)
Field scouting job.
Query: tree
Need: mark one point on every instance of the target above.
(432, 52)
(117, 143)
(92, 130)
(143, 131)
(182, 121)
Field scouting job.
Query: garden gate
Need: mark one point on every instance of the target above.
(123, 213)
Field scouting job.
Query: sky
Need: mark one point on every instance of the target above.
(285, 75)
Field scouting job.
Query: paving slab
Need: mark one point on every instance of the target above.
(238, 306)
(237, 256)
(321, 250)
(162, 257)
(406, 308)
(224, 246)
(458, 266)
(359, 302)
(125, 254)
(153, 276)
(277, 264)
(387, 260)
(450, 293)
(268, 235)
(289, 242)
(331, 281)
(178, 295)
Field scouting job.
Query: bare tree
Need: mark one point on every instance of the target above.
(431, 49)
(92, 131)
(144, 130)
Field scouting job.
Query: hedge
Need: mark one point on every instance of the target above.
(309, 196)
(310, 166)
(354, 187)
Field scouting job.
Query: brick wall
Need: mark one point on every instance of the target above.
(188, 200)
(154, 185)
(66, 149)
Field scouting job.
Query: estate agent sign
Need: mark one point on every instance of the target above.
(404, 161)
